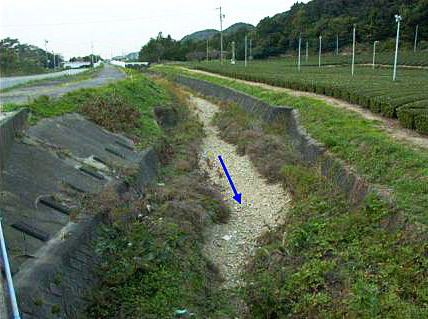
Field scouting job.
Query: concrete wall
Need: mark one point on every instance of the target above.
(58, 273)
(308, 149)
(9, 128)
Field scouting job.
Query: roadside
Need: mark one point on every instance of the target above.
(26, 94)
(9, 81)
(390, 126)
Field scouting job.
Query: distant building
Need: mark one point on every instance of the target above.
(76, 65)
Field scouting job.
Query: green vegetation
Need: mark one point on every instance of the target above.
(23, 59)
(151, 259)
(398, 168)
(404, 99)
(329, 259)
(130, 99)
(332, 19)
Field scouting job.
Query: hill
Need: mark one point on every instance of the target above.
(208, 33)
(238, 27)
(199, 35)
(330, 18)
(374, 20)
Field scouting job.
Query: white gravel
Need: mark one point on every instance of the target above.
(263, 206)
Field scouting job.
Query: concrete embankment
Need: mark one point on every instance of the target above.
(309, 149)
(46, 172)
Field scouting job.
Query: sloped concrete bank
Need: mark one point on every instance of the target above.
(308, 148)
(47, 171)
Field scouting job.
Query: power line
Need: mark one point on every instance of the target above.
(103, 21)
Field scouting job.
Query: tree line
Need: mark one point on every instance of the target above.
(18, 58)
(332, 19)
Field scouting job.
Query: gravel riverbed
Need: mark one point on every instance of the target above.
(263, 205)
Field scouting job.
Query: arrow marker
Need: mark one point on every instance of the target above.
(237, 196)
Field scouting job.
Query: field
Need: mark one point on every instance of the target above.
(408, 58)
(405, 99)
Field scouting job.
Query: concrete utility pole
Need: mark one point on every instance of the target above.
(222, 16)
(337, 44)
(307, 50)
(300, 44)
(246, 40)
(353, 50)
(319, 53)
(92, 54)
(398, 20)
(374, 53)
(251, 49)
(233, 52)
(46, 50)
(53, 55)
(207, 49)
(416, 37)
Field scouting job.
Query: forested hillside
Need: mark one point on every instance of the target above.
(374, 20)
(330, 18)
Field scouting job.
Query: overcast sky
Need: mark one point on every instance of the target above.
(113, 26)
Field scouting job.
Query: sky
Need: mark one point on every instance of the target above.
(113, 27)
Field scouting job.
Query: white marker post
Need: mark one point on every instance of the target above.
(207, 51)
(416, 37)
(246, 39)
(398, 20)
(353, 51)
(337, 44)
(319, 52)
(300, 44)
(307, 51)
(233, 53)
(374, 53)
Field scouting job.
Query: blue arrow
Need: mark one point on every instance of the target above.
(237, 196)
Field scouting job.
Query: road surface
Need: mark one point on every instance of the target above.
(6, 82)
(52, 89)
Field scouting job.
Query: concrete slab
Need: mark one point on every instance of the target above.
(45, 175)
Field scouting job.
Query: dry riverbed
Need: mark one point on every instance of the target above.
(263, 205)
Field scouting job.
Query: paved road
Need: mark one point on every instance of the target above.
(52, 89)
(6, 82)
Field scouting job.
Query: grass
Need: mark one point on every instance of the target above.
(59, 80)
(151, 250)
(396, 167)
(329, 259)
(405, 98)
(125, 106)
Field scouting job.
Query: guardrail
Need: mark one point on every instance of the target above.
(9, 281)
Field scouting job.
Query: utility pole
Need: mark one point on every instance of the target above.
(374, 53)
(300, 44)
(416, 37)
(53, 55)
(251, 49)
(337, 44)
(233, 52)
(307, 50)
(319, 53)
(353, 50)
(92, 54)
(222, 16)
(398, 20)
(246, 39)
(207, 49)
(46, 50)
